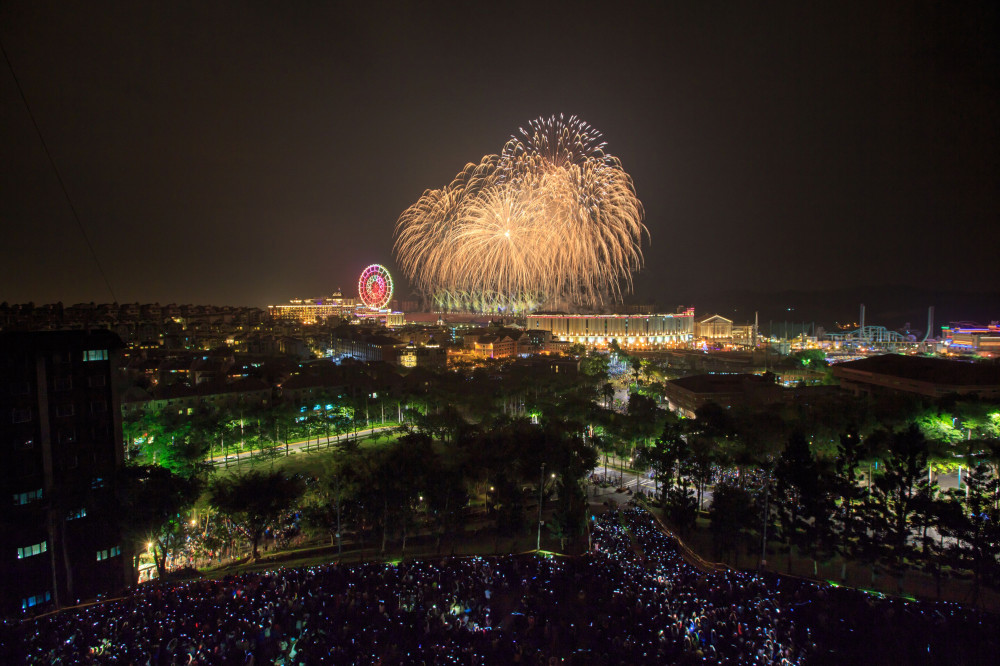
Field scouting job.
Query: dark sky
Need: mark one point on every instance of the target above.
(246, 153)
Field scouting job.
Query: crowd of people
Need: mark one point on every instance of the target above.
(633, 599)
(751, 477)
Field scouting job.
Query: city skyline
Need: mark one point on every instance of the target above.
(234, 155)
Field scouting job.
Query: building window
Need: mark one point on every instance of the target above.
(109, 553)
(21, 414)
(95, 381)
(67, 436)
(64, 410)
(28, 602)
(98, 407)
(95, 355)
(63, 383)
(98, 482)
(25, 444)
(79, 513)
(28, 497)
(20, 388)
(33, 549)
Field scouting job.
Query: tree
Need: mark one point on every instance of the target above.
(700, 464)
(680, 507)
(897, 493)
(811, 358)
(325, 501)
(644, 419)
(255, 501)
(595, 366)
(666, 455)
(151, 500)
(731, 516)
(444, 424)
(804, 512)
(607, 394)
(712, 420)
(975, 530)
(408, 464)
(444, 489)
(848, 518)
(635, 365)
(572, 458)
(392, 481)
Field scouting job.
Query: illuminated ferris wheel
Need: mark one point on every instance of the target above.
(375, 287)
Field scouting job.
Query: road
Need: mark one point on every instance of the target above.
(632, 480)
(642, 481)
(246, 456)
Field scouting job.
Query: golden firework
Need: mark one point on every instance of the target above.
(551, 221)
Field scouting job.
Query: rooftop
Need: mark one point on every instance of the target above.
(725, 383)
(921, 368)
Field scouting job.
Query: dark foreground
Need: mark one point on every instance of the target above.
(633, 600)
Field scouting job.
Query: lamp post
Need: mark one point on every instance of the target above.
(541, 487)
(763, 531)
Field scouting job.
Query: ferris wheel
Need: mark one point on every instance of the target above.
(375, 287)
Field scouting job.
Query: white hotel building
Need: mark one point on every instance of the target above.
(638, 331)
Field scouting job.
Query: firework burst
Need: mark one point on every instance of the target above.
(552, 220)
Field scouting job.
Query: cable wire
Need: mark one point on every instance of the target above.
(62, 184)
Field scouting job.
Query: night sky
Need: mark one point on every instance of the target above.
(247, 153)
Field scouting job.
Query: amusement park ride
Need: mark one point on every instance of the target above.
(375, 287)
(878, 337)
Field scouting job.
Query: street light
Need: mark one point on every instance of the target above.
(763, 531)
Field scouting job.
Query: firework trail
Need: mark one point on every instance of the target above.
(553, 220)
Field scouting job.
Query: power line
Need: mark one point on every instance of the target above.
(62, 184)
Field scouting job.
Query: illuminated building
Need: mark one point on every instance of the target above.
(630, 331)
(316, 310)
(60, 448)
(714, 327)
(495, 346)
(360, 345)
(414, 355)
(386, 318)
(313, 310)
(973, 337)
(494, 342)
(637, 308)
(744, 334)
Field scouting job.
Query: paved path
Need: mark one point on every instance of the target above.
(300, 445)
